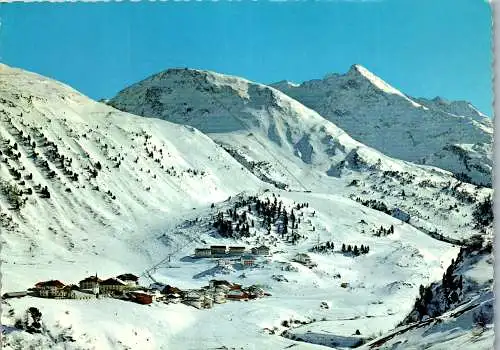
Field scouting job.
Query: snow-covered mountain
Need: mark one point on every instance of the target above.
(87, 179)
(86, 188)
(450, 135)
(287, 144)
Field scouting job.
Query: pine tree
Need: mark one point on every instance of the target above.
(428, 295)
(356, 251)
(343, 247)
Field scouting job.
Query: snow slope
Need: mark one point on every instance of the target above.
(287, 144)
(450, 135)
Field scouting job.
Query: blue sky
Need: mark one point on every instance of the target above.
(424, 48)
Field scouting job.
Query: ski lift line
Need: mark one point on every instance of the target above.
(169, 256)
(259, 142)
(146, 273)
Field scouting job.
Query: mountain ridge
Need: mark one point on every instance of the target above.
(414, 129)
(269, 132)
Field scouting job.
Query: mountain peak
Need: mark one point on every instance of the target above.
(358, 68)
(358, 71)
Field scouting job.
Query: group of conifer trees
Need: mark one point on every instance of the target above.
(271, 212)
(355, 250)
(384, 232)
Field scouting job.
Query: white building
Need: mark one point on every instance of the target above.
(302, 258)
(203, 252)
(129, 279)
(262, 250)
(91, 283)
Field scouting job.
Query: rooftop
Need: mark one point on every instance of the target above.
(127, 277)
(51, 283)
(113, 282)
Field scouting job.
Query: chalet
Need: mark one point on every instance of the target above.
(218, 250)
(50, 289)
(204, 252)
(142, 297)
(247, 260)
(194, 298)
(302, 258)
(112, 285)
(171, 290)
(237, 295)
(262, 250)
(401, 215)
(129, 279)
(15, 295)
(90, 283)
(236, 251)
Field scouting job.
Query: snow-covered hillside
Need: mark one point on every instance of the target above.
(81, 179)
(361, 291)
(450, 135)
(292, 146)
(456, 311)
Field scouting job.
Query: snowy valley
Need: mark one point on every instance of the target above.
(191, 160)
